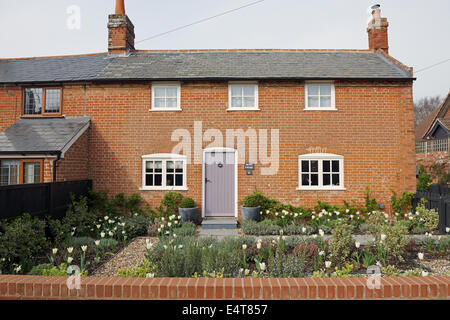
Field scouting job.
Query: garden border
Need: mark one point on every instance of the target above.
(17, 287)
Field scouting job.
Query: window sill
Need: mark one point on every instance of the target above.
(25, 116)
(320, 109)
(163, 188)
(321, 189)
(243, 109)
(164, 110)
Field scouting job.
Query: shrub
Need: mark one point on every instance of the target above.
(78, 242)
(37, 270)
(364, 228)
(281, 265)
(428, 218)
(375, 222)
(187, 203)
(424, 179)
(142, 270)
(402, 204)
(108, 243)
(171, 201)
(137, 226)
(341, 243)
(21, 240)
(257, 199)
(396, 239)
(187, 229)
(254, 228)
(60, 270)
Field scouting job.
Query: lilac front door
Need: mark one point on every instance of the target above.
(219, 184)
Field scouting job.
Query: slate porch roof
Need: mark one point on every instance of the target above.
(197, 65)
(41, 135)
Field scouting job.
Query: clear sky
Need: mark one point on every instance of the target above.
(418, 29)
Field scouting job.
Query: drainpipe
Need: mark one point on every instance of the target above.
(58, 156)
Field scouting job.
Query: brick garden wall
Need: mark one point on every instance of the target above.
(372, 129)
(40, 287)
(428, 159)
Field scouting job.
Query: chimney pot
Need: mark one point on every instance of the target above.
(120, 6)
(377, 30)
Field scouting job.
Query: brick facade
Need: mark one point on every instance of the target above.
(372, 128)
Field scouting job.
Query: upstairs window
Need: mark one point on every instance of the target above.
(319, 96)
(164, 172)
(42, 101)
(321, 171)
(243, 96)
(166, 97)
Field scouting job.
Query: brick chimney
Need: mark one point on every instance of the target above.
(120, 31)
(378, 31)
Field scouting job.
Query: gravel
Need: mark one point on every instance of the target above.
(129, 256)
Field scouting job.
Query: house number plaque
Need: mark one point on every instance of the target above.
(249, 167)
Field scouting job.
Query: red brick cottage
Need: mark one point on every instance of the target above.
(134, 121)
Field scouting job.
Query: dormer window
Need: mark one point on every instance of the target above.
(42, 101)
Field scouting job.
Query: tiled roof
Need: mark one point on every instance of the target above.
(173, 65)
(41, 135)
(422, 128)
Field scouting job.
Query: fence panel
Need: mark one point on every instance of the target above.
(40, 199)
(438, 201)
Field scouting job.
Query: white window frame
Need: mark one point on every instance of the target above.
(176, 85)
(319, 157)
(164, 157)
(333, 96)
(245, 83)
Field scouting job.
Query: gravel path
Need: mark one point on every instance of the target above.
(129, 256)
(436, 266)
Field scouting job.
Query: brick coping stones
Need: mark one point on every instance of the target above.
(92, 288)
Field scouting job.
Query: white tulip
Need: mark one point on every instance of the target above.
(357, 244)
(84, 248)
(303, 230)
(169, 224)
(55, 250)
(70, 249)
(69, 259)
(106, 218)
(111, 233)
(424, 273)
(98, 226)
(327, 264)
(383, 237)
(244, 246)
(420, 255)
(258, 245)
(150, 275)
(246, 272)
(102, 234)
(97, 242)
(321, 232)
(262, 266)
(321, 253)
(180, 246)
(447, 230)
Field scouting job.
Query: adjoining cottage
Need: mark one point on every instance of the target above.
(297, 125)
(432, 139)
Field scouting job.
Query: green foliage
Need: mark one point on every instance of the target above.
(187, 203)
(395, 240)
(402, 204)
(37, 270)
(78, 242)
(251, 227)
(137, 226)
(282, 265)
(119, 205)
(108, 244)
(187, 229)
(60, 270)
(341, 243)
(142, 270)
(424, 179)
(423, 217)
(171, 201)
(371, 203)
(257, 199)
(21, 241)
(376, 221)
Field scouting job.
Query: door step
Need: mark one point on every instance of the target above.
(218, 233)
(219, 223)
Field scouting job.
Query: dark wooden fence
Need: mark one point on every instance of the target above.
(438, 198)
(40, 199)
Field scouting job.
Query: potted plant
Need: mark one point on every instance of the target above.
(188, 211)
(251, 206)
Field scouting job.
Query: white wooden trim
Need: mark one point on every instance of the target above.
(321, 156)
(220, 149)
(166, 85)
(164, 157)
(243, 83)
(333, 96)
(74, 139)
